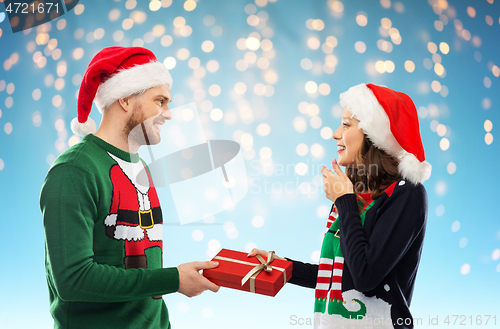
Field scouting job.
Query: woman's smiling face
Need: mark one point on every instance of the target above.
(349, 139)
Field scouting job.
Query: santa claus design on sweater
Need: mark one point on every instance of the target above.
(135, 214)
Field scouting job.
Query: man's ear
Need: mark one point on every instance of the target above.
(126, 103)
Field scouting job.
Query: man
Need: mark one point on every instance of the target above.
(101, 214)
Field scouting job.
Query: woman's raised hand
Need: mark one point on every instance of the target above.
(336, 183)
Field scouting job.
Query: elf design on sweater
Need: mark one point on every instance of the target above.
(342, 307)
(135, 215)
(329, 282)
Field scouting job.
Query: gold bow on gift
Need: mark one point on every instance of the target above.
(263, 266)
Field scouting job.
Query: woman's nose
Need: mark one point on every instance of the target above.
(337, 135)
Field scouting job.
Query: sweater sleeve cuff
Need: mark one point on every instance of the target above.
(167, 280)
(303, 274)
(346, 204)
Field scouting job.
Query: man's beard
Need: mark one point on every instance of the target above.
(138, 128)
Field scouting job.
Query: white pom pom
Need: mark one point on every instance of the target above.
(83, 129)
(413, 170)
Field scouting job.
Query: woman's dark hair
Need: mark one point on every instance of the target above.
(373, 170)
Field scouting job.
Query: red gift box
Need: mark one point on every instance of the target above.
(235, 265)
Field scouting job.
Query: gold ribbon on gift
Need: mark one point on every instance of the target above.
(263, 266)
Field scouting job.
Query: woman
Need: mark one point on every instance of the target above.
(372, 247)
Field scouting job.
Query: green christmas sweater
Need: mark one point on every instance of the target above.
(103, 240)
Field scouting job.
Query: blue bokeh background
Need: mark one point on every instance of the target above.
(458, 109)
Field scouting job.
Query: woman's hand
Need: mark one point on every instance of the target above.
(263, 253)
(336, 183)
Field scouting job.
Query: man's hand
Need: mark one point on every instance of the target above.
(191, 282)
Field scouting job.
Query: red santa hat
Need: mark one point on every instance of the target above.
(114, 73)
(389, 119)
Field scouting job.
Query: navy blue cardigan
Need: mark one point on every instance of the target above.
(382, 254)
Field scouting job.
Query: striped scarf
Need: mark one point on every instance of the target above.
(328, 293)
